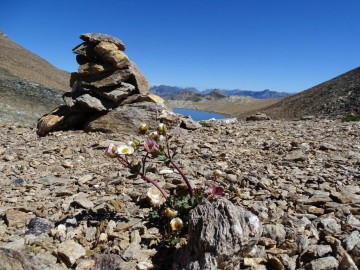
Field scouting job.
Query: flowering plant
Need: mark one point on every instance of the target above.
(170, 210)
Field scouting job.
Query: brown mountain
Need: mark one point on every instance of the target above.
(338, 96)
(25, 65)
(29, 85)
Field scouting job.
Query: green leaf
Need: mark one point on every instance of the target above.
(154, 214)
(162, 158)
(174, 241)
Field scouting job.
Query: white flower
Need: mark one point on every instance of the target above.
(125, 150)
(176, 224)
(155, 197)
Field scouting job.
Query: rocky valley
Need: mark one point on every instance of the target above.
(64, 204)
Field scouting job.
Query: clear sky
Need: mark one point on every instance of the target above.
(281, 45)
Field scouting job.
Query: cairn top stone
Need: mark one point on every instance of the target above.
(98, 37)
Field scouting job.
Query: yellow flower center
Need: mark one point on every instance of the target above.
(126, 151)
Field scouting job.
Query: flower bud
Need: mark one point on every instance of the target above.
(155, 136)
(111, 150)
(176, 224)
(143, 129)
(134, 144)
(217, 174)
(171, 213)
(162, 128)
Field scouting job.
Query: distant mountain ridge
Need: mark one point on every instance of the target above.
(255, 94)
(173, 91)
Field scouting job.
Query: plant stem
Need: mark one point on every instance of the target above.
(147, 179)
(144, 162)
(191, 191)
(126, 163)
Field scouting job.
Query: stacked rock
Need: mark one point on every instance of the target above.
(106, 78)
(109, 92)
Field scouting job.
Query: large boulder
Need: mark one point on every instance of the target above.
(126, 119)
(220, 235)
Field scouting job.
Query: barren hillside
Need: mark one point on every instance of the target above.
(25, 65)
(338, 96)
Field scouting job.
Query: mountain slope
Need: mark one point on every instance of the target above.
(25, 65)
(29, 85)
(338, 96)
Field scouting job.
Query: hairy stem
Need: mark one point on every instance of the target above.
(191, 191)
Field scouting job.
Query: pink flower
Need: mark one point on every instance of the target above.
(150, 145)
(216, 191)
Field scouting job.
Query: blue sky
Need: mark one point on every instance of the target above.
(281, 45)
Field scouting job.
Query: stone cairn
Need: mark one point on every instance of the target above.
(109, 92)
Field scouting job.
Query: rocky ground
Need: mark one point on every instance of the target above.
(65, 205)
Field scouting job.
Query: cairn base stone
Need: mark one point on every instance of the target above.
(126, 119)
(62, 118)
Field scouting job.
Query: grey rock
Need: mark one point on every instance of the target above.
(55, 181)
(88, 102)
(39, 226)
(86, 50)
(188, 123)
(106, 79)
(289, 262)
(355, 254)
(275, 231)
(329, 225)
(257, 117)
(14, 260)
(323, 264)
(69, 100)
(138, 79)
(322, 250)
(126, 119)
(18, 244)
(207, 248)
(69, 251)
(307, 117)
(327, 146)
(108, 261)
(90, 233)
(83, 201)
(351, 240)
(118, 94)
(296, 155)
(96, 38)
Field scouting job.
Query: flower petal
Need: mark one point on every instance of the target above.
(125, 150)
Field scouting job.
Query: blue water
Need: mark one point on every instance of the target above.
(198, 115)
